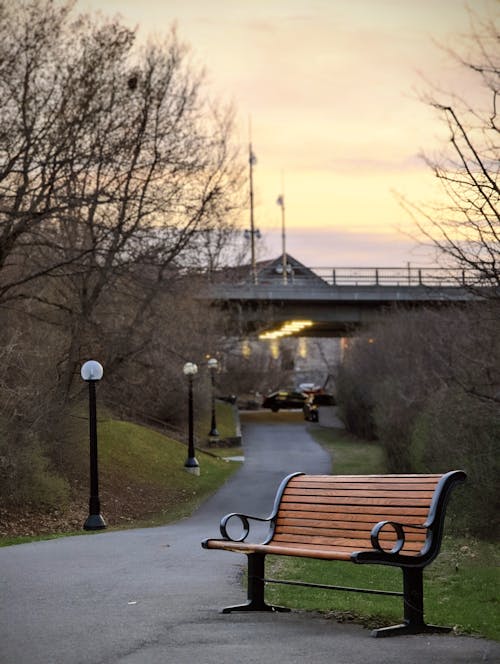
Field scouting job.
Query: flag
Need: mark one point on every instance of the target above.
(280, 201)
(252, 159)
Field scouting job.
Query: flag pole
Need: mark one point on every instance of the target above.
(281, 203)
(251, 162)
(251, 159)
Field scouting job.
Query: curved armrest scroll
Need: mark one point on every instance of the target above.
(376, 530)
(244, 518)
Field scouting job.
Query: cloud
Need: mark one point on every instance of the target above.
(344, 248)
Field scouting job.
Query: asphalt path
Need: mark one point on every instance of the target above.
(154, 595)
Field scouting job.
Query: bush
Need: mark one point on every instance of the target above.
(356, 386)
(393, 419)
(25, 477)
(426, 383)
(355, 405)
(458, 431)
(30, 414)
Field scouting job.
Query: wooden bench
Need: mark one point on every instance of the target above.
(379, 519)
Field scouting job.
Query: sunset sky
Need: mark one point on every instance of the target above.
(331, 87)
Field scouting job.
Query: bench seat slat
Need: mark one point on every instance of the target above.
(355, 500)
(329, 479)
(333, 539)
(358, 490)
(334, 532)
(340, 542)
(356, 543)
(332, 496)
(354, 512)
(357, 522)
(299, 550)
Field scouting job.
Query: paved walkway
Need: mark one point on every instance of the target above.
(153, 595)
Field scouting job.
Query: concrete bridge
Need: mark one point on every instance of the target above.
(333, 301)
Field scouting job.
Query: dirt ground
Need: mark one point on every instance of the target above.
(120, 505)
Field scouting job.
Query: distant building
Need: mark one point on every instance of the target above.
(293, 360)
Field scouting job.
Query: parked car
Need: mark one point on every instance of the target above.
(313, 401)
(277, 400)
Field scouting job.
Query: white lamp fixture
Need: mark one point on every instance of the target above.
(92, 370)
(190, 369)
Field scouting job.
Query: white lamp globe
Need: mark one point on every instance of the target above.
(92, 370)
(190, 369)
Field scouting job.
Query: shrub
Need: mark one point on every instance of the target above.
(456, 430)
(25, 477)
(356, 385)
(393, 418)
(355, 405)
(427, 384)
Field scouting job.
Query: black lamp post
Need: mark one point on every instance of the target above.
(191, 466)
(91, 372)
(212, 367)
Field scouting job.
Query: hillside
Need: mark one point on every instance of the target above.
(142, 481)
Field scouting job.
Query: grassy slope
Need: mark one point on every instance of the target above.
(225, 422)
(152, 463)
(142, 481)
(464, 569)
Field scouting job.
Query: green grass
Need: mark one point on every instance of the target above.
(461, 587)
(225, 452)
(142, 455)
(226, 426)
(225, 421)
(9, 541)
(140, 465)
(153, 460)
(350, 455)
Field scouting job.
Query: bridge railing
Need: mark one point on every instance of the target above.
(393, 276)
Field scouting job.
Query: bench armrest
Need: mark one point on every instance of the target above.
(399, 529)
(244, 518)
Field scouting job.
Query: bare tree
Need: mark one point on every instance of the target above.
(112, 164)
(33, 151)
(466, 229)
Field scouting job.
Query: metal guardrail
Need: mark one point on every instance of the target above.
(350, 285)
(394, 276)
(300, 277)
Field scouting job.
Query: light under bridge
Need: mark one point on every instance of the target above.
(331, 302)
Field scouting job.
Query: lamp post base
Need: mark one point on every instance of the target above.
(192, 466)
(94, 522)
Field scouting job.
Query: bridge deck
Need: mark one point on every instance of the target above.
(336, 300)
(301, 290)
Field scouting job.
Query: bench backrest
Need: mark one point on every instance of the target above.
(339, 511)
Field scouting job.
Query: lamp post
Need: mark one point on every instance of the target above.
(252, 233)
(191, 466)
(212, 367)
(92, 372)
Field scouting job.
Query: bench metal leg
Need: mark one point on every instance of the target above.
(413, 598)
(255, 591)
